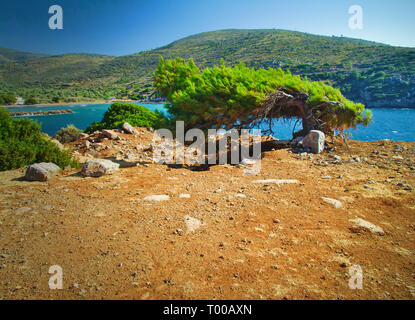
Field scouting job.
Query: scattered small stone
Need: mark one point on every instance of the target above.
(178, 232)
(367, 187)
(336, 157)
(23, 210)
(275, 181)
(192, 223)
(157, 198)
(184, 196)
(336, 203)
(360, 224)
(248, 162)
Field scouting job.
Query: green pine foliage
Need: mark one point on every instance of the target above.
(22, 143)
(118, 113)
(200, 98)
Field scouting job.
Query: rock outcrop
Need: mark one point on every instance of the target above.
(41, 171)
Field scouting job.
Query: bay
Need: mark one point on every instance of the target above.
(388, 123)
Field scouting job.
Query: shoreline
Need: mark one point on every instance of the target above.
(79, 103)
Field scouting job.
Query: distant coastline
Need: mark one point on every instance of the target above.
(81, 103)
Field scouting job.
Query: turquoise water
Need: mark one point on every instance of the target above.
(388, 123)
(82, 117)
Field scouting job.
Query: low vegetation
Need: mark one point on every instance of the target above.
(68, 134)
(7, 98)
(118, 113)
(22, 143)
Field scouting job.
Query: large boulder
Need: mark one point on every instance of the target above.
(314, 141)
(99, 167)
(129, 128)
(41, 171)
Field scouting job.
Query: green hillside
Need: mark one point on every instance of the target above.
(19, 56)
(368, 72)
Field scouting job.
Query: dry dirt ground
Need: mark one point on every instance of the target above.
(232, 239)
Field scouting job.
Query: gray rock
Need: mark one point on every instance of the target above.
(41, 171)
(99, 167)
(129, 128)
(314, 141)
(110, 134)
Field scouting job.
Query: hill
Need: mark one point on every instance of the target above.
(10, 55)
(368, 72)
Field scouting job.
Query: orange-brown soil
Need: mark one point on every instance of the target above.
(256, 241)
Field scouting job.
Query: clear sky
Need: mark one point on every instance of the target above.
(119, 27)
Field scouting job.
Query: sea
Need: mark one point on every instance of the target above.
(396, 124)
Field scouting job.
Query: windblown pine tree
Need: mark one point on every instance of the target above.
(241, 97)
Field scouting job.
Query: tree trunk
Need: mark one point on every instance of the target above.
(307, 122)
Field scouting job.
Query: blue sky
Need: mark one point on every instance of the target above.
(118, 27)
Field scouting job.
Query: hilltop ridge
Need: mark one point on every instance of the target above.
(372, 73)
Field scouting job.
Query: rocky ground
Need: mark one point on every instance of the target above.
(154, 232)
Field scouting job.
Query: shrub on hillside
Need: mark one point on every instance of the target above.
(68, 134)
(31, 100)
(22, 143)
(118, 113)
(7, 98)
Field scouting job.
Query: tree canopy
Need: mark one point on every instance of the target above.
(242, 97)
